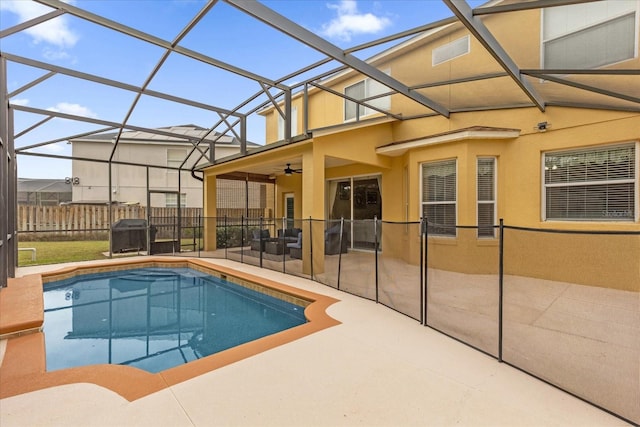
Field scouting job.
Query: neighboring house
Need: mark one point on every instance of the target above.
(43, 192)
(129, 183)
(482, 150)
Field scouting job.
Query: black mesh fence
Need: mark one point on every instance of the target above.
(463, 287)
(325, 264)
(399, 268)
(357, 273)
(571, 313)
(561, 305)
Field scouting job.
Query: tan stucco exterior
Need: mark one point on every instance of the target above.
(356, 149)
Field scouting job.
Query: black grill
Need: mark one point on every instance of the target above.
(129, 235)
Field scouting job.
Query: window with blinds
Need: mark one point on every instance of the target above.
(589, 35)
(486, 195)
(439, 197)
(171, 200)
(596, 184)
(362, 90)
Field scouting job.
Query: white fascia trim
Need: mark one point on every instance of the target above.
(399, 149)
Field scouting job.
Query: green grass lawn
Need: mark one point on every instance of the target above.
(58, 252)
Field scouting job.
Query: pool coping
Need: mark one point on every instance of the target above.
(23, 367)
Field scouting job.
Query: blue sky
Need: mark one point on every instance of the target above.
(225, 34)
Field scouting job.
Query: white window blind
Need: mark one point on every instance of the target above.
(486, 194)
(171, 200)
(450, 50)
(351, 109)
(589, 35)
(439, 196)
(596, 184)
(362, 90)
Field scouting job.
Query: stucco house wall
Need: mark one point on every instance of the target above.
(491, 117)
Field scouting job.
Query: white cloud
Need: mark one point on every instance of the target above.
(55, 31)
(54, 54)
(20, 101)
(349, 21)
(75, 109)
(56, 147)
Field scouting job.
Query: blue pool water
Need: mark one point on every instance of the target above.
(155, 318)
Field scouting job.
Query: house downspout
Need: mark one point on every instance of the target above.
(193, 174)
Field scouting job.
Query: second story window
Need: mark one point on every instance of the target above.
(363, 90)
(589, 35)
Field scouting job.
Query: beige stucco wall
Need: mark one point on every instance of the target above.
(613, 260)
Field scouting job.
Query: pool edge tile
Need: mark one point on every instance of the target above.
(132, 383)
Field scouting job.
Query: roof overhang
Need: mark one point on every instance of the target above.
(471, 133)
(344, 127)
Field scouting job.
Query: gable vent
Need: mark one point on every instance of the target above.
(451, 50)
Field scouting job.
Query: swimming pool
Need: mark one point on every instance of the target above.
(155, 318)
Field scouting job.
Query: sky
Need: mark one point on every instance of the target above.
(225, 33)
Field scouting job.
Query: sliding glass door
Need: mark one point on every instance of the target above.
(358, 201)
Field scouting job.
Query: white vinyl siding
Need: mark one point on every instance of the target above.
(175, 157)
(589, 35)
(439, 196)
(486, 195)
(597, 184)
(365, 89)
(294, 124)
(450, 51)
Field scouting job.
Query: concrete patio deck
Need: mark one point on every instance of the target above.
(378, 368)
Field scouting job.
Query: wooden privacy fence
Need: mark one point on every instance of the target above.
(73, 218)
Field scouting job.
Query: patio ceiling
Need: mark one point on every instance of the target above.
(514, 77)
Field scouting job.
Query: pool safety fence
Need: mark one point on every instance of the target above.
(561, 305)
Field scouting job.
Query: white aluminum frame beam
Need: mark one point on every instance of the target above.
(107, 123)
(66, 138)
(30, 23)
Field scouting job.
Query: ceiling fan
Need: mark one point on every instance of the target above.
(288, 171)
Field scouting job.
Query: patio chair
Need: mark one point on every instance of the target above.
(295, 249)
(260, 237)
(289, 235)
(332, 245)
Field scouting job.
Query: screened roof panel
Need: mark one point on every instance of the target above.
(560, 93)
(479, 94)
(194, 80)
(194, 61)
(222, 34)
(620, 84)
(94, 56)
(106, 102)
